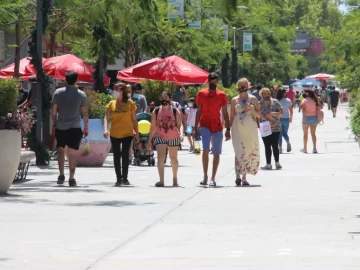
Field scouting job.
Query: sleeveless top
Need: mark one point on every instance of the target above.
(166, 127)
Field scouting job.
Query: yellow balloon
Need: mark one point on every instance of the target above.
(144, 127)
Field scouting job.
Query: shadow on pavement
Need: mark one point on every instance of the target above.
(249, 186)
(353, 232)
(55, 189)
(108, 203)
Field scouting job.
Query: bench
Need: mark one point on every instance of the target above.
(26, 157)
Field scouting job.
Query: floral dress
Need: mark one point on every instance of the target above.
(245, 139)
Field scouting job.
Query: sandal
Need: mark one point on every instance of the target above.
(61, 180)
(238, 182)
(303, 151)
(245, 183)
(176, 185)
(159, 184)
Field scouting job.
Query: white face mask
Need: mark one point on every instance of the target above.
(191, 105)
(116, 94)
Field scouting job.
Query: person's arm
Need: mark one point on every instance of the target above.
(279, 109)
(54, 108)
(179, 122)
(186, 93)
(152, 129)
(85, 115)
(198, 116)
(135, 123)
(291, 113)
(256, 109)
(232, 112)
(144, 104)
(106, 122)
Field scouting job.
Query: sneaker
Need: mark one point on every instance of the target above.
(125, 182)
(191, 150)
(61, 180)
(303, 151)
(278, 166)
(315, 151)
(288, 147)
(267, 167)
(212, 183)
(203, 182)
(238, 182)
(72, 183)
(118, 184)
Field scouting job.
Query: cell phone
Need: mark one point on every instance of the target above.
(243, 101)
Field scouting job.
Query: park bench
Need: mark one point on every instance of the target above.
(26, 157)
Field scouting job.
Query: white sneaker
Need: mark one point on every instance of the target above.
(278, 166)
(267, 167)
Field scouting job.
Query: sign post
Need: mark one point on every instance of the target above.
(196, 5)
(178, 5)
(247, 42)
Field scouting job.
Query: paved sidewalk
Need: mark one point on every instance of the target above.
(305, 216)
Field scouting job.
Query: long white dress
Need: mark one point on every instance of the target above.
(245, 140)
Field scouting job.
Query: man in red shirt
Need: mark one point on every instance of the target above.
(291, 95)
(210, 101)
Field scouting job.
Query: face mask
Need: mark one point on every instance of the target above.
(242, 89)
(136, 96)
(266, 98)
(212, 86)
(116, 94)
(191, 105)
(164, 102)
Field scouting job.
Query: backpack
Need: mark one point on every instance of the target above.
(320, 116)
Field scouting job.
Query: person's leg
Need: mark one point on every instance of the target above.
(73, 142)
(274, 145)
(115, 143)
(217, 139)
(313, 136)
(282, 123)
(306, 132)
(126, 143)
(161, 152)
(206, 137)
(285, 132)
(173, 154)
(267, 144)
(60, 145)
(191, 142)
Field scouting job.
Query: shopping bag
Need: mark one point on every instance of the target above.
(265, 129)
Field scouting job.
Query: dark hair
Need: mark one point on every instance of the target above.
(213, 76)
(259, 87)
(280, 94)
(137, 86)
(71, 77)
(312, 96)
(192, 99)
(166, 93)
(125, 94)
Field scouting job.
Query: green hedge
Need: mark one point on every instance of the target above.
(8, 95)
(355, 119)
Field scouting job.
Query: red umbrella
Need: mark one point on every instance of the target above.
(321, 76)
(26, 69)
(126, 74)
(172, 69)
(59, 65)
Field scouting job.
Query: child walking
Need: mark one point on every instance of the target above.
(190, 114)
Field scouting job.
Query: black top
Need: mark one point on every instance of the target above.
(334, 97)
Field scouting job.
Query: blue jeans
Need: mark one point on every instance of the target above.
(285, 123)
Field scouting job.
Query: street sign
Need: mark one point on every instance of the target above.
(247, 42)
(178, 5)
(196, 5)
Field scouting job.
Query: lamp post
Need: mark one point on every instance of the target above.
(39, 37)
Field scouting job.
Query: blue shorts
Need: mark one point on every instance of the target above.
(217, 139)
(310, 120)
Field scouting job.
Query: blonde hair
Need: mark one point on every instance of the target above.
(243, 81)
(265, 90)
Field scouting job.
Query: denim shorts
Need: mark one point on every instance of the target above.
(217, 139)
(310, 120)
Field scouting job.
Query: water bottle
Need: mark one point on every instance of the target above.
(197, 149)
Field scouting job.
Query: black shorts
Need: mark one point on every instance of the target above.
(69, 137)
(334, 104)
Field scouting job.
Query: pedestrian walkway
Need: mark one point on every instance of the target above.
(305, 216)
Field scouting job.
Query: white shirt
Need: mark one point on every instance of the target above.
(191, 116)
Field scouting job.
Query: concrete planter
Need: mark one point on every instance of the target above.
(95, 148)
(358, 139)
(10, 145)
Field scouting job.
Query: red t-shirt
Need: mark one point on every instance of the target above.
(290, 95)
(211, 103)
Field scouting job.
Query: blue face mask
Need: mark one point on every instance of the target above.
(136, 96)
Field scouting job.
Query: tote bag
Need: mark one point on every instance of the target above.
(265, 129)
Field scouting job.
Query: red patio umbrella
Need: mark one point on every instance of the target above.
(59, 65)
(321, 76)
(172, 69)
(26, 69)
(126, 74)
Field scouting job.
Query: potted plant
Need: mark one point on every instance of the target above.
(95, 148)
(10, 133)
(355, 121)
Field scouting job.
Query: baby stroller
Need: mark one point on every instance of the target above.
(141, 154)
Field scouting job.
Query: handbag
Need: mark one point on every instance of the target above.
(265, 129)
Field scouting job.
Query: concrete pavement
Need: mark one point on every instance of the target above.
(305, 216)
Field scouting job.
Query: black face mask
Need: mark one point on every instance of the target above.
(164, 102)
(212, 86)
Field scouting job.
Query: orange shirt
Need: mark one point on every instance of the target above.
(211, 103)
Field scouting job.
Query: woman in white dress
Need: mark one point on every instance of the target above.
(245, 109)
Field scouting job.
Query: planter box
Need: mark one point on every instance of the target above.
(10, 145)
(358, 139)
(99, 146)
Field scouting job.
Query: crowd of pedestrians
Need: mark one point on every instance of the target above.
(206, 116)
